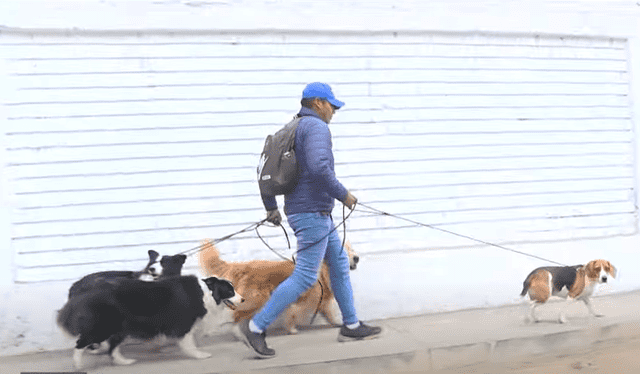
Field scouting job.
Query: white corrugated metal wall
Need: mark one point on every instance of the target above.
(122, 143)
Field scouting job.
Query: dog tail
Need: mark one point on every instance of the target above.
(209, 257)
(67, 319)
(525, 286)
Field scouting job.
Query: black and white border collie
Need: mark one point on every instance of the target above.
(169, 307)
(171, 267)
(111, 277)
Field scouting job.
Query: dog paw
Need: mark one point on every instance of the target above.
(77, 359)
(199, 354)
(123, 361)
(98, 348)
(562, 319)
(292, 331)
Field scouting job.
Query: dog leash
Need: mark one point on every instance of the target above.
(273, 250)
(344, 238)
(380, 212)
(200, 247)
(254, 226)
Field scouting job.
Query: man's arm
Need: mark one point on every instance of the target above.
(319, 160)
(269, 202)
(271, 205)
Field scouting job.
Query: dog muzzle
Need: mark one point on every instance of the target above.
(229, 304)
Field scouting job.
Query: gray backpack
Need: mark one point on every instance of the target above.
(278, 167)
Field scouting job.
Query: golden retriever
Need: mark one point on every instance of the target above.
(255, 281)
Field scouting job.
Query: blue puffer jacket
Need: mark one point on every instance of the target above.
(317, 183)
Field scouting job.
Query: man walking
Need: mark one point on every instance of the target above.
(308, 208)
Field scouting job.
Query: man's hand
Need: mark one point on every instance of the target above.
(274, 217)
(350, 201)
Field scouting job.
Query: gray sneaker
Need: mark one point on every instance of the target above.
(362, 332)
(255, 341)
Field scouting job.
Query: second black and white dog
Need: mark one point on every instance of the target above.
(171, 266)
(169, 307)
(111, 277)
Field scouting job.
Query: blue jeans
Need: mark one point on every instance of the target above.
(311, 228)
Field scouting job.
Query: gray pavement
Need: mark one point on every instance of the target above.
(410, 344)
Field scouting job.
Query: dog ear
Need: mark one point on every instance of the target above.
(153, 255)
(215, 292)
(590, 270)
(182, 258)
(210, 281)
(612, 270)
(216, 295)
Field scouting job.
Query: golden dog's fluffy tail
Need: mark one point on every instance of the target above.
(209, 258)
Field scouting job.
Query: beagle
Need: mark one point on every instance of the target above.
(570, 282)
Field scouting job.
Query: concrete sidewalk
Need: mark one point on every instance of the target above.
(415, 344)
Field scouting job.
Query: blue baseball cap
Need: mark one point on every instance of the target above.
(321, 91)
